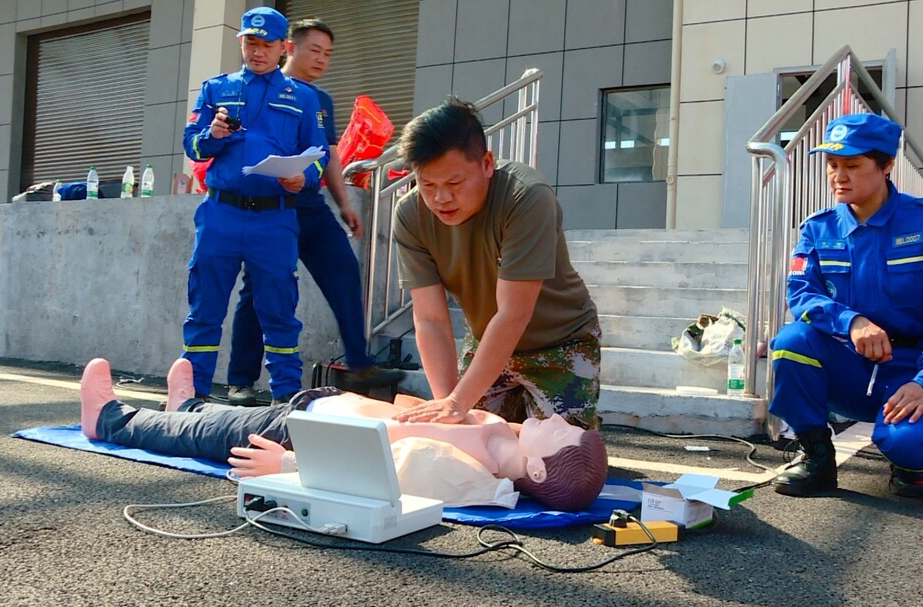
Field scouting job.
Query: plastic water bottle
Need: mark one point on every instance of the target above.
(147, 182)
(56, 193)
(92, 184)
(128, 182)
(736, 371)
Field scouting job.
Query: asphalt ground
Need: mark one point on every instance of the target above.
(64, 541)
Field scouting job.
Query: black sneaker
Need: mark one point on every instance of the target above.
(372, 376)
(241, 396)
(906, 483)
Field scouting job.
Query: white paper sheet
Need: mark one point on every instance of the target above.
(284, 166)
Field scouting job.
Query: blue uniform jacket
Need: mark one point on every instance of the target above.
(280, 116)
(841, 269)
(311, 197)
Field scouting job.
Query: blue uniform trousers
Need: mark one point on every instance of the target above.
(325, 251)
(266, 241)
(815, 373)
(209, 434)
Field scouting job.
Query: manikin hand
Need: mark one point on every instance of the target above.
(907, 401)
(264, 458)
(871, 341)
(442, 410)
(352, 221)
(292, 185)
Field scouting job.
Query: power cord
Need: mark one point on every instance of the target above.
(515, 543)
(264, 509)
(748, 457)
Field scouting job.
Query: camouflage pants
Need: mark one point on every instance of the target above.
(563, 379)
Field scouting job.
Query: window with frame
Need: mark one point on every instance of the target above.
(635, 135)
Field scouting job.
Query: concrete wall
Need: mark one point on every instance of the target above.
(108, 278)
(765, 37)
(473, 47)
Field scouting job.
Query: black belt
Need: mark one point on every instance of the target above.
(904, 341)
(251, 203)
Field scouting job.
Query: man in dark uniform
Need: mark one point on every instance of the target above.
(323, 246)
(238, 120)
(854, 290)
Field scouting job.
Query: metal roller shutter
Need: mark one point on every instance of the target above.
(86, 100)
(375, 53)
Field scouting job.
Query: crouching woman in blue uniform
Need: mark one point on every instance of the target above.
(854, 288)
(238, 120)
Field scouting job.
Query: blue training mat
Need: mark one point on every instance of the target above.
(528, 514)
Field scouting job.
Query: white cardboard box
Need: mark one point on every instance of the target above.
(689, 501)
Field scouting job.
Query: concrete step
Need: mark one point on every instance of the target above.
(659, 369)
(664, 274)
(668, 411)
(649, 333)
(649, 234)
(657, 250)
(665, 302)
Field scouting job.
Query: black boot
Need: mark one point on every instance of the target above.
(906, 483)
(816, 473)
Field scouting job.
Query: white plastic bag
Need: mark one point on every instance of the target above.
(709, 339)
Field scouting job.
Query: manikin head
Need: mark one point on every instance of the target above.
(566, 466)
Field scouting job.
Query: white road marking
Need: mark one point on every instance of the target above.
(75, 385)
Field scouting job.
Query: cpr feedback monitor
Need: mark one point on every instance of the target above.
(345, 477)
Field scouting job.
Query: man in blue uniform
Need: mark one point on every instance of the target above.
(854, 289)
(323, 246)
(238, 120)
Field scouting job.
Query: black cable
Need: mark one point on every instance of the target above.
(716, 437)
(706, 436)
(515, 544)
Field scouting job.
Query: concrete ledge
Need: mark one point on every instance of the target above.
(108, 278)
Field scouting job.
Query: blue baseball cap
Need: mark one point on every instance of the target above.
(856, 134)
(264, 22)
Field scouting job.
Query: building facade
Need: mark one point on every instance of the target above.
(644, 111)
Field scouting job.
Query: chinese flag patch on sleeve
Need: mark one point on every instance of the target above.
(798, 266)
(193, 117)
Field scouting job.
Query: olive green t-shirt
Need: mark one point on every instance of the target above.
(517, 235)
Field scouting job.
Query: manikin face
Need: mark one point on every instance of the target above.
(311, 58)
(857, 180)
(453, 187)
(260, 56)
(546, 437)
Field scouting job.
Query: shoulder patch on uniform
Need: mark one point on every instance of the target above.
(817, 214)
(320, 119)
(821, 212)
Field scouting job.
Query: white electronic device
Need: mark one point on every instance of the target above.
(345, 477)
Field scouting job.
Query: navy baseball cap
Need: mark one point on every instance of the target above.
(264, 22)
(856, 134)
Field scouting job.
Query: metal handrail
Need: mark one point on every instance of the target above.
(790, 184)
(384, 300)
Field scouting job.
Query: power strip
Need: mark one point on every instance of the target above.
(632, 533)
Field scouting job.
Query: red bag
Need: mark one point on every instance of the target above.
(199, 169)
(368, 131)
